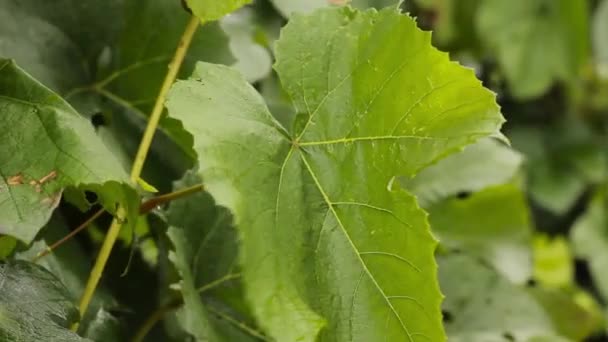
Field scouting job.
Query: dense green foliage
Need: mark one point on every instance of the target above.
(328, 171)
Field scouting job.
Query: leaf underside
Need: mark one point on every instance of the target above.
(46, 146)
(331, 250)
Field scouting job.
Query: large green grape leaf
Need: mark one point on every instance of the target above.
(493, 224)
(45, 147)
(210, 10)
(34, 305)
(481, 306)
(537, 42)
(206, 250)
(288, 7)
(329, 246)
(486, 163)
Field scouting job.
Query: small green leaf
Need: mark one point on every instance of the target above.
(590, 240)
(47, 148)
(493, 224)
(556, 26)
(145, 186)
(34, 305)
(211, 10)
(486, 163)
(330, 250)
(481, 306)
(553, 262)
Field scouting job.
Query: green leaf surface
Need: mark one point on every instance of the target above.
(147, 43)
(486, 163)
(289, 7)
(481, 306)
(34, 305)
(570, 318)
(590, 240)
(69, 264)
(206, 250)
(43, 50)
(211, 10)
(330, 249)
(252, 59)
(102, 20)
(493, 225)
(600, 36)
(536, 42)
(47, 147)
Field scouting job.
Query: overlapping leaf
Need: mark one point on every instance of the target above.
(537, 42)
(486, 163)
(46, 146)
(330, 249)
(210, 10)
(205, 256)
(34, 305)
(493, 224)
(481, 306)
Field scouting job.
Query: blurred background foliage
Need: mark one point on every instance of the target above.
(523, 228)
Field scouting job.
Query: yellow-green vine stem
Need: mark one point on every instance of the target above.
(138, 164)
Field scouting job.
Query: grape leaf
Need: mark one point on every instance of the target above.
(206, 250)
(600, 36)
(537, 42)
(486, 163)
(590, 240)
(493, 225)
(211, 10)
(288, 7)
(329, 247)
(252, 59)
(481, 306)
(69, 264)
(34, 305)
(46, 146)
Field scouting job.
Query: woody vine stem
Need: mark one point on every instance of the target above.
(138, 164)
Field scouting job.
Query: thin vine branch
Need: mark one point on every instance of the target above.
(144, 208)
(175, 304)
(137, 167)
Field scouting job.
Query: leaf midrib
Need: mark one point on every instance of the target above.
(365, 268)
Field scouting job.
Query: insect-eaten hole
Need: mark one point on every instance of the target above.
(447, 316)
(91, 197)
(463, 195)
(98, 120)
(508, 336)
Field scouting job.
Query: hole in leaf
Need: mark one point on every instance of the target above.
(91, 197)
(447, 316)
(463, 194)
(508, 336)
(531, 282)
(98, 119)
